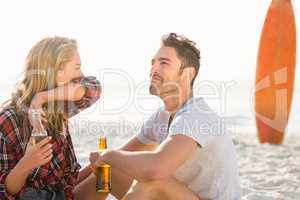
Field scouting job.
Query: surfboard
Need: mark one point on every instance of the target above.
(275, 72)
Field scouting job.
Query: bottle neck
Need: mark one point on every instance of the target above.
(38, 128)
(102, 143)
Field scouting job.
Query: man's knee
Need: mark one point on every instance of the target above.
(145, 190)
(166, 189)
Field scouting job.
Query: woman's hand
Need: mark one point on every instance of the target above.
(38, 100)
(37, 155)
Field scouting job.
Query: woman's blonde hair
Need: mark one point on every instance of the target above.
(43, 62)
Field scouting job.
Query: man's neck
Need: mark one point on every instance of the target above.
(174, 102)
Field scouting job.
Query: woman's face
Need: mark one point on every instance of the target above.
(71, 71)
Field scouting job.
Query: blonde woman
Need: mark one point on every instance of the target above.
(54, 84)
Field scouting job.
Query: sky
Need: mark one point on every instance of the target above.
(119, 38)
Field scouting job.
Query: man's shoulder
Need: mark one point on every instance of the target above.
(156, 115)
(196, 118)
(197, 108)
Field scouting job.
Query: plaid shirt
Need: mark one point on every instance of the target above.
(62, 171)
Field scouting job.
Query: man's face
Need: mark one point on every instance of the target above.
(165, 72)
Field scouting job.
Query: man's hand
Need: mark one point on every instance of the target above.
(96, 159)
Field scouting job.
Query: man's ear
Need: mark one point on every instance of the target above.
(188, 74)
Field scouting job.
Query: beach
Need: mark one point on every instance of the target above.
(267, 172)
(123, 44)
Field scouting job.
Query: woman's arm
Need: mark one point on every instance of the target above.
(92, 94)
(16, 178)
(15, 166)
(34, 157)
(8, 162)
(69, 92)
(80, 95)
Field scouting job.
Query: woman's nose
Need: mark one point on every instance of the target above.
(80, 73)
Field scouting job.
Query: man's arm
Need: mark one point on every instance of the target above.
(134, 144)
(151, 165)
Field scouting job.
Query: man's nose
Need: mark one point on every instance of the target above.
(153, 71)
(154, 68)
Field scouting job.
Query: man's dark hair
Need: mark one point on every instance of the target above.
(186, 50)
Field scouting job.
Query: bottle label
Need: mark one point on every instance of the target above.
(104, 179)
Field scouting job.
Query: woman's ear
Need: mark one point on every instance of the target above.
(60, 77)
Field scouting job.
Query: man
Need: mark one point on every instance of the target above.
(181, 153)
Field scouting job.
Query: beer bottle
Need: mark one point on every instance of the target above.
(103, 183)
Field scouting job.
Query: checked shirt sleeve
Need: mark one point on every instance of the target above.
(10, 150)
(7, 163)
(92, 94)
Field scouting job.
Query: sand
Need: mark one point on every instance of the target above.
(267, 172)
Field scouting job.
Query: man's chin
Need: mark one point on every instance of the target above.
(154, 90)
(171, 93)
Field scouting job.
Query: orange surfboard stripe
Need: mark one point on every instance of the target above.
(275, 72)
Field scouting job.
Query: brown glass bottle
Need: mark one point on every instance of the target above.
(103, 183)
